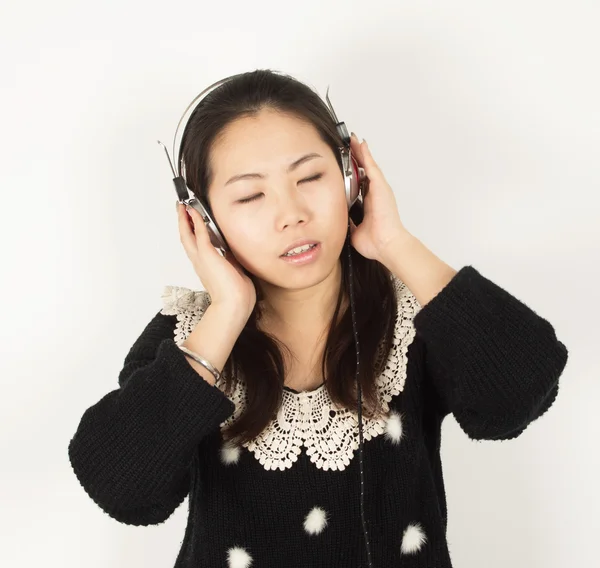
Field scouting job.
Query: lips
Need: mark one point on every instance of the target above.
(299, 243)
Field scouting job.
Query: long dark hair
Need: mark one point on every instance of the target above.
(258, 353)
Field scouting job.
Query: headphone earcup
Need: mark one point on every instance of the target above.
(354, 181)
(216, 238)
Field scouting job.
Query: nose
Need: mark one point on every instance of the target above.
(292, 207)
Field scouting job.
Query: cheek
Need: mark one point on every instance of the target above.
(247, 242)
(338, 219)
(239, 233)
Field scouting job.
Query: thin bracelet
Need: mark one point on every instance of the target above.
(216, 374)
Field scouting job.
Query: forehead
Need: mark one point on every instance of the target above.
(268, 140)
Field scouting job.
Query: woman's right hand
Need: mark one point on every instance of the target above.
(222, 276)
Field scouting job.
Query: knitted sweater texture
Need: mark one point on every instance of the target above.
(291, 498)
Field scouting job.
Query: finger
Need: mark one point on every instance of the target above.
(200, 229)
(356, 149)
(186, 234)
(369, 161)
(182, 217)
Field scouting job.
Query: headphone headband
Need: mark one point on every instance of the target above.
(341, 127)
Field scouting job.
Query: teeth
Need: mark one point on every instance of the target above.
(298, 250)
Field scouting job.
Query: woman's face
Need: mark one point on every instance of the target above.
(286, 205)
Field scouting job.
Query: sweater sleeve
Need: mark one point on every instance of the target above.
(491, 360)
(133, 448)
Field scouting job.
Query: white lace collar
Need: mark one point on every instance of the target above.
(308, 419)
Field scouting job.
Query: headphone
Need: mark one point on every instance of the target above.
(356, 185)
(355, 180)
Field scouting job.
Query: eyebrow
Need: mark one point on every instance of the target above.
(290, 168)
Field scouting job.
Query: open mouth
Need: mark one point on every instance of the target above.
(303, 257)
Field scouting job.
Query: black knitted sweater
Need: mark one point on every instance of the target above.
(292, 498)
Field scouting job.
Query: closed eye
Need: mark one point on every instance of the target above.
(314, 178)
(254, 197)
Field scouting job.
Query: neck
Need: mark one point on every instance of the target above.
(305, 310)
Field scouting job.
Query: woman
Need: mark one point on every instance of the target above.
(266, 451)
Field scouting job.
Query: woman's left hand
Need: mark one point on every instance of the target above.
(381, 224)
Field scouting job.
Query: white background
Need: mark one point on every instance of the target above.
(484, 117)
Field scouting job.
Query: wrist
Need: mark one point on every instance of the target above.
(230, 311)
